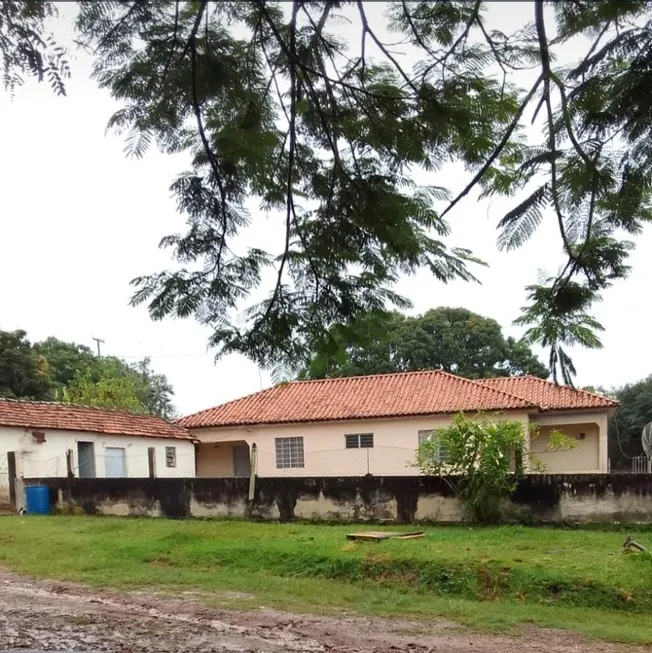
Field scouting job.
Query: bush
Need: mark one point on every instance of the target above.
(482, 460)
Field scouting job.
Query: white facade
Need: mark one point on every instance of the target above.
(48, 459)
(324, 452)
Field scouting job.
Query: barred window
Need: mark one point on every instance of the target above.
(289, 452)
(359, 441)
(170, 456)
(428, 434)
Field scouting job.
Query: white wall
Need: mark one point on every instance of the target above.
(395, 445)
(35, 460)
(325, 454)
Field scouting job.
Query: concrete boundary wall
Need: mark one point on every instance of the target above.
(588, 498)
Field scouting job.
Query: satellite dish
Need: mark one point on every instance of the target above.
(646, 439)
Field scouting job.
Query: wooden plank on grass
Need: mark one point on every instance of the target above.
(379, 536)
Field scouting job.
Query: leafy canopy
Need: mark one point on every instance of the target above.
(626, 427)
(451, 339)
(325, 133)
(64, 371)
(23, 372)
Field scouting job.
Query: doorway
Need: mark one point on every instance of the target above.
(86, 458)
(241, 461)
(116, 462)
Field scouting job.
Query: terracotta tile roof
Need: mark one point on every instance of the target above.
(548, 395)
(67, 417)
(381, 395)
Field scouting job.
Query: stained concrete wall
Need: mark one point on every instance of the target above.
(539, 498)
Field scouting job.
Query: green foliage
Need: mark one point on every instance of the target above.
(482, 459)
(497, 578)
(479, 463)
(324, 138)
(65, 371)
(451, 339)
(65, 360)
(559, 317)
(107, 391)
(26, 48)
(24, 373)
(625, 428)
(274, 106)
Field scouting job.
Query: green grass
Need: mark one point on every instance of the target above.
(488, 578)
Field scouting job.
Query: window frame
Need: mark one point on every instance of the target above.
(425, 434)
(359, 443)
(286, 456)
(170, 464)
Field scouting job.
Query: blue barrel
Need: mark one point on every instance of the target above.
(37, 498)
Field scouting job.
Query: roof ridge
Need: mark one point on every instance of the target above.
(569, 387)
(363, 376)
(478, 382)
(63, 404)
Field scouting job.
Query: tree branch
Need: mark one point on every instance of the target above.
(552, 139)
(290, 174)
(497, 151)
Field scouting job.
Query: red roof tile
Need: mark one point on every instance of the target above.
(548, 395)
(381, 395)
(67, 417)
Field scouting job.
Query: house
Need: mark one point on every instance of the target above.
(42, 439)
(373, 424)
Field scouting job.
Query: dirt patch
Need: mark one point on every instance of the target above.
(60, 616)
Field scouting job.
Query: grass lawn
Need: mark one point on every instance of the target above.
(488, 578)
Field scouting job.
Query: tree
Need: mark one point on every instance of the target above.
(65, 360)
(451, 339)
(153, 390)
(107, 391)
(625, 428)
(65, 371)
(23, 372)
(69, 362)
(274, 105)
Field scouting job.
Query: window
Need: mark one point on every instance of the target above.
(359, 441)
(427, 434)
(289, 452)
(170, 456)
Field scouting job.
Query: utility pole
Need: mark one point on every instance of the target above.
(98, 341)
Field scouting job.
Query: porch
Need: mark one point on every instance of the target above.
(589, 455)
(231, 459)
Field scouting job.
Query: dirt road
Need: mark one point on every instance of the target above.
(56, 616)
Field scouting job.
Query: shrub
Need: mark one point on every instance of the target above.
(482, 460)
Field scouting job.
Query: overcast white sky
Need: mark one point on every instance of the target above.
(79, 221)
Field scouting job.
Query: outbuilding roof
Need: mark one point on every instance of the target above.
(68, 417)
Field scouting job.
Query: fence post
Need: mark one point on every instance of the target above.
(253, 459)
(151, 461)
(69, 467)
